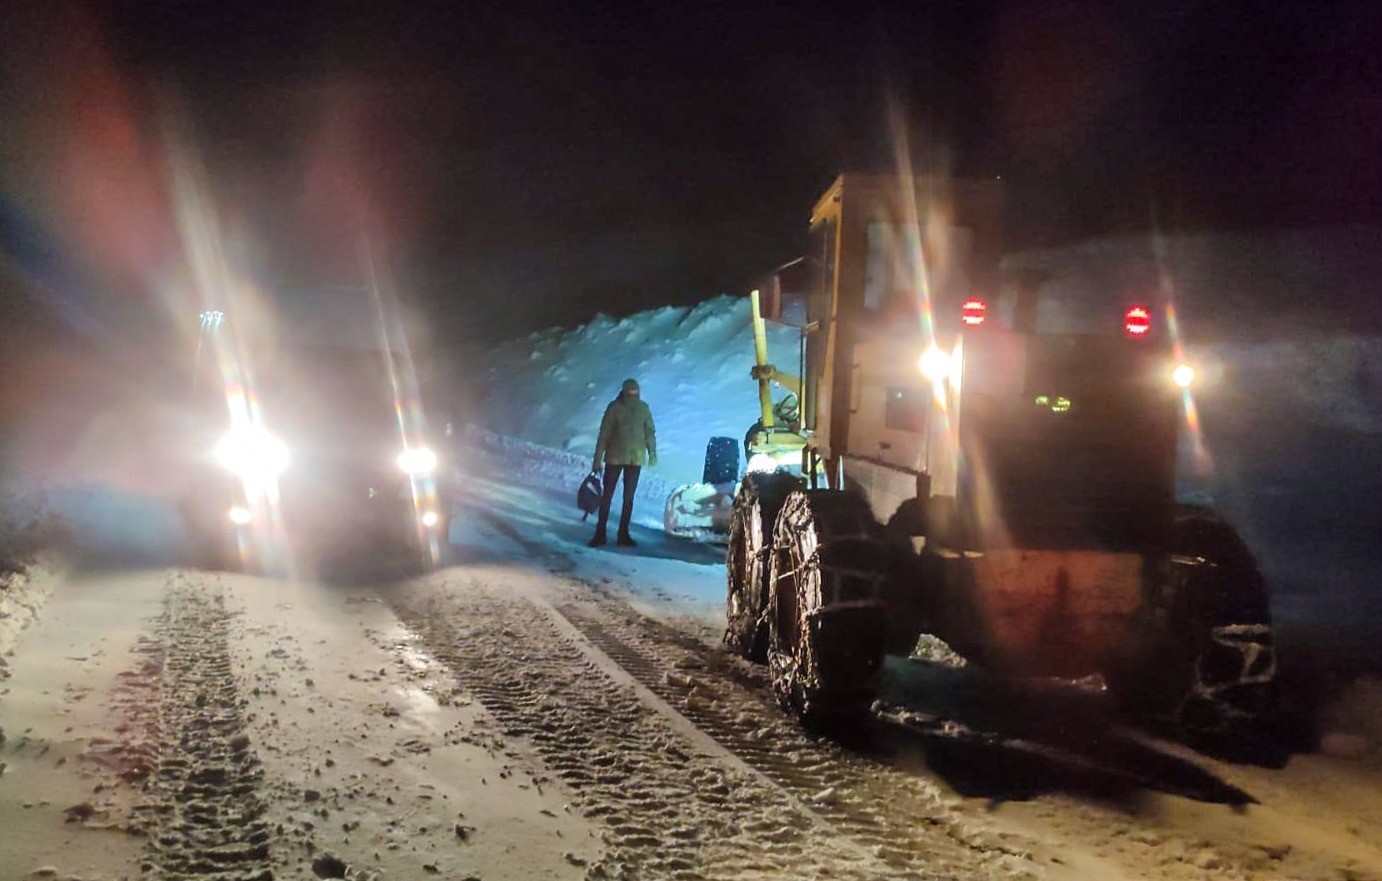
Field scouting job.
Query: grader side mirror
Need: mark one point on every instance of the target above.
(770, 301)
(785, 295)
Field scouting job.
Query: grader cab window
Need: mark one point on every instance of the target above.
(890, 273)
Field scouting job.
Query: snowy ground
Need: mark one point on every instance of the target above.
(541, 709)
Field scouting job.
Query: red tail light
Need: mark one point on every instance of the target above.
(974, 311)
(1137, 322)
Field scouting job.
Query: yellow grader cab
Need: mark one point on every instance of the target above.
(950, 468)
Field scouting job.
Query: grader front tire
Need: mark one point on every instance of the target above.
(756, 505)
(826, 623)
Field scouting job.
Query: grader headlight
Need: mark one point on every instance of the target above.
(1183, 375)
(934, 364)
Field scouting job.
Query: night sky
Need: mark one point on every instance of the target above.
(524, 166)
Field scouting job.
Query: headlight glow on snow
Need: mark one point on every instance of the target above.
(417, 461)
(1183, 375)
(252, 454)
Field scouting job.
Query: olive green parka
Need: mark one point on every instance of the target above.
(627, 435)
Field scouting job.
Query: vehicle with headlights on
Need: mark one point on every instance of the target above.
(326, 456)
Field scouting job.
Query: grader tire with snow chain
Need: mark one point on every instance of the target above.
(1221, 616)
(1211, 667)
(827, 628)
(759, 499)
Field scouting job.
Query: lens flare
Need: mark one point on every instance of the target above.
(253, 455)
(407, 401)
(417, 462)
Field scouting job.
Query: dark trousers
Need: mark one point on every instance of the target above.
(612, 473)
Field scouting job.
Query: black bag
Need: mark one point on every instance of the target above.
(588, 496)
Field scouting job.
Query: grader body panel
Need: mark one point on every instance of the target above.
(1041, 613)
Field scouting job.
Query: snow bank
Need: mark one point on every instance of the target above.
(692, 363)
(27, 530)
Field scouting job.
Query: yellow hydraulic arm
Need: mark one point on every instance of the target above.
(763, 371)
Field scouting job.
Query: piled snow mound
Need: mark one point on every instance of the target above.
(693, 363)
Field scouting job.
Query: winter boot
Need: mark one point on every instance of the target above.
(598, 541)
(624, 541)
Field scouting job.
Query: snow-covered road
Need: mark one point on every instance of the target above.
(538, 709)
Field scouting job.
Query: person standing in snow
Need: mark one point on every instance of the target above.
(627, 441)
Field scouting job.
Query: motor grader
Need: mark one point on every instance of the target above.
(944, 463)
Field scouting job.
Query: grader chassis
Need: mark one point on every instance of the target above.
(1007, 489)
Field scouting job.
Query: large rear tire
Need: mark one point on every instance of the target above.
(826, 623)
(759, 499)
(1221, 613)
(1210, 665)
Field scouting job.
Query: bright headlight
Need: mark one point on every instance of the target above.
(934, 364)
(1183, 375)
(417, 461)
(252, 454)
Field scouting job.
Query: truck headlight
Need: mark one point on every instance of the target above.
(1183, 375)
(417, 461)
(252, 454)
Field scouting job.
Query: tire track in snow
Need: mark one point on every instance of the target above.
(903, 820)
(202, 808)
(669, 811)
